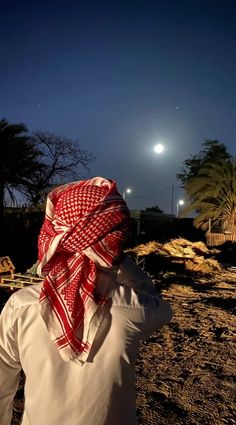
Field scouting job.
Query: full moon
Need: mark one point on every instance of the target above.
(159, 148)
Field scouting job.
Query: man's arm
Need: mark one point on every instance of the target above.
(9, 363)
(130, 274)
(158, 312)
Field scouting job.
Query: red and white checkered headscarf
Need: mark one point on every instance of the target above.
(84, 230)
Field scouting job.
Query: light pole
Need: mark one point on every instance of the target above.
(126, 192)
(159, 149)
(179, 203)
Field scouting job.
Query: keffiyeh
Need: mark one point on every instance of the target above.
(84, 230)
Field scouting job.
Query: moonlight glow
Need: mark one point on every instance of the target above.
(159, 148)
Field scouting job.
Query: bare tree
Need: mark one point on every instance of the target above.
(61, 160)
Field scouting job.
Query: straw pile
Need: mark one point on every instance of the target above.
(195, 256)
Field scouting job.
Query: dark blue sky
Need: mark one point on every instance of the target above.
(121, 76)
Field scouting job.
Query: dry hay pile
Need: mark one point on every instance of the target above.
(195, 256)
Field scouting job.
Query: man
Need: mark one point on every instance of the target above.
(76, 336)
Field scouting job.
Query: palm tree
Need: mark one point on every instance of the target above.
(212, 194)
(18, 159)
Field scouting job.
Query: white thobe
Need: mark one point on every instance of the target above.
(102, 391)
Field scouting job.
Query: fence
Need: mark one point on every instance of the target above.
(214, 239)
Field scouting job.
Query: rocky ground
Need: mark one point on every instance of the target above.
(186, 372)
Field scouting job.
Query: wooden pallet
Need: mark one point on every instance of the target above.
(17, 280)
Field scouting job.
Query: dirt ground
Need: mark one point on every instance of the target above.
(186, 372)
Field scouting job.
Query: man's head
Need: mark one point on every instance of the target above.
(86, 214)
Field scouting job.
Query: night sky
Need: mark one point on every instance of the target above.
(121, 76)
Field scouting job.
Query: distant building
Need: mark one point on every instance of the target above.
(147, 220)
(150, 225)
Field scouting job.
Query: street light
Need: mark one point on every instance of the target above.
(127, 191)
(179, 203)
